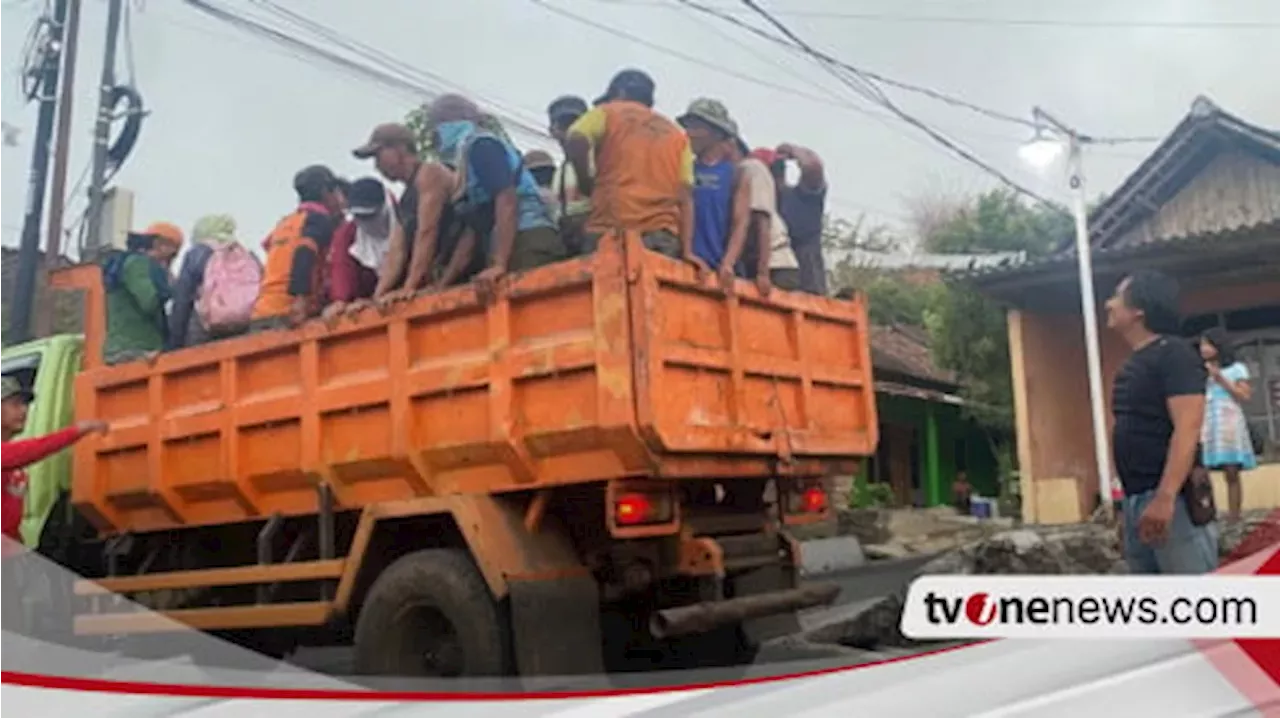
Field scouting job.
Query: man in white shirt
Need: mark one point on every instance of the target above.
(766, 254)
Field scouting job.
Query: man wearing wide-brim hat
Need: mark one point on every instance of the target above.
(713, 135)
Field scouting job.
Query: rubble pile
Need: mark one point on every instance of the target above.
(1091, 548)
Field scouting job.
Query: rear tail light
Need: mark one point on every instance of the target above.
(806, 500)
(642, 506)
(635, 509)
(813, 500)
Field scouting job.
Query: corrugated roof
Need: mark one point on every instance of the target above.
(1205, 133)
(903, 351)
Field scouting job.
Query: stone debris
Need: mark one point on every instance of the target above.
(897, 533)
(1078, 549)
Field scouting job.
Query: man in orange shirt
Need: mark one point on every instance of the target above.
(643, 178)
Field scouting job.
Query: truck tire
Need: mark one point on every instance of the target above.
(430, 613)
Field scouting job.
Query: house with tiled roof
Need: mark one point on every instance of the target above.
(925, 437)
(1204, 207)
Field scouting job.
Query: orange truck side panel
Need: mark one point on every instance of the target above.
(620, 364)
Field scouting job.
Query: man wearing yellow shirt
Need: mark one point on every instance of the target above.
(643, 179)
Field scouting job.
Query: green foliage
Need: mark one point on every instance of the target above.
(890, 299)
(870, 495)
(968, 335)
(893, 300)
(1000, 221)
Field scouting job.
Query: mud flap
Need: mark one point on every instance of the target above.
(766, 580)
(555, 627)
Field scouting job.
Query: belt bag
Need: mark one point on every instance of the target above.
(1197, 491)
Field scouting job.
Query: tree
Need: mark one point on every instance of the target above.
(998, 221)
(890, 299)
(968, 332)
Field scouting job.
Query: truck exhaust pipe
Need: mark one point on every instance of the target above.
(709, 615)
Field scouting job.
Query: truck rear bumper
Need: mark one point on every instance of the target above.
(709, 615)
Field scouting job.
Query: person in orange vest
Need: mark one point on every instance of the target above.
(643, 175)
(293, 277)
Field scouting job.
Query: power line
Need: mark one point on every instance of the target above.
(862, 85)
(393, 64)
(831, 100)
(1000, 21)
(899, 84)
(928, 92)
(389, 78)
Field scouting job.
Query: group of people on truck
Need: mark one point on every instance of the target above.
(479, 209)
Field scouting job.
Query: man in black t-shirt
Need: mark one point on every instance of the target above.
(1158, 406)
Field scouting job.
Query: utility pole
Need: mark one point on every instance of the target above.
(102, 132)
(29, 249)
(61, 155)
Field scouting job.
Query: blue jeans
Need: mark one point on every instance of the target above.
(1188, 549)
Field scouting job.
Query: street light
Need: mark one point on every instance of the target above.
(1041, 151)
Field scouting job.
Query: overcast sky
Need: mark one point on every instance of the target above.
(234, 116)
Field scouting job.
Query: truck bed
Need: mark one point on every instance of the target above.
(620, 364)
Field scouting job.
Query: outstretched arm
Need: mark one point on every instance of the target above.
(24, 452)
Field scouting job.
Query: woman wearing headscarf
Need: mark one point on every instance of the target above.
(1224, 437)
(211, 232)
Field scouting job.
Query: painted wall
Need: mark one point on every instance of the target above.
(954, 435)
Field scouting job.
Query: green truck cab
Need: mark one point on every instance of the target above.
(49, 367)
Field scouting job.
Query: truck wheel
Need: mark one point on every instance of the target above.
(430, 613)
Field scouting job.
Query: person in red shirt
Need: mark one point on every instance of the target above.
(18, 454)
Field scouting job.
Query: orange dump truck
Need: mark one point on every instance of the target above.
(596, 470)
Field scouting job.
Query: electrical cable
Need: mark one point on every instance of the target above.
(1003, 21)
(415, 87)
(906, 86)
(393, 64)
(862, 85)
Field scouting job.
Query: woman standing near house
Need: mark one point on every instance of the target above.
(1224, 438)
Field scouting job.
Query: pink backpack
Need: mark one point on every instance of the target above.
(229, 290)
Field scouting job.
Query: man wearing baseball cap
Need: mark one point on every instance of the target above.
(359, 247)
(18, 454)
(572, 206)
(424, 213)
(542, 166)
(137, 287)
(643, 178)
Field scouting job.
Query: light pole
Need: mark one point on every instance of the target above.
(1042, 151)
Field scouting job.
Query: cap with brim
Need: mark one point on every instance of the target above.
(713, 113)
(567, 106)
(366, 197)
(629, 81)
(385, 135)
(13, 389)
(537, 159)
